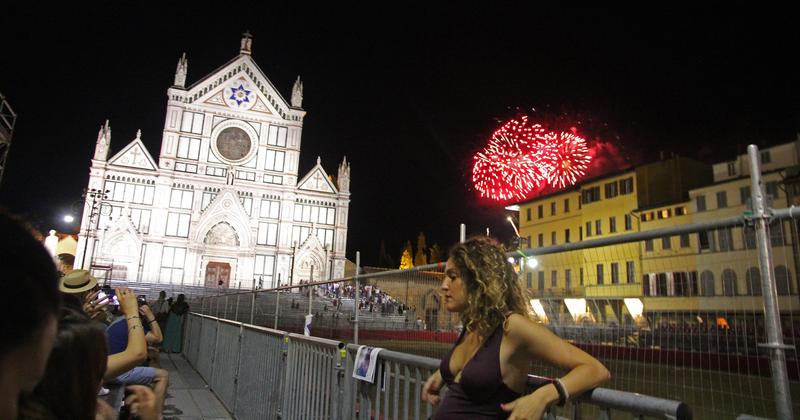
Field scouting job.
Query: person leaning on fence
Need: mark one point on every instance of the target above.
(29, 314)
(486, 371)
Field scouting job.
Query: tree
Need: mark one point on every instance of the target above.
(406, 259)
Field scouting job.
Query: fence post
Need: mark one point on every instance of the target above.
(357, 296)
(462, 234)
(253, 308)
(277, 304)
(237, 307)
(772, 320)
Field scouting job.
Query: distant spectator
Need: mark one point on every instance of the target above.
(172, 342)
(28, 315)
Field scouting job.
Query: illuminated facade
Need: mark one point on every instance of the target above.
(223, 205)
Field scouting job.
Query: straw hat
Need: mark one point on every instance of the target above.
(77, 281)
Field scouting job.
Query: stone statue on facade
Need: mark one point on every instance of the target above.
(297, 93)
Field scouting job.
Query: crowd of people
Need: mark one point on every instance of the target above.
(65, 341)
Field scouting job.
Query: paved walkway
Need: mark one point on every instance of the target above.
(188, 396)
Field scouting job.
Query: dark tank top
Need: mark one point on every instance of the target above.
(481, 389)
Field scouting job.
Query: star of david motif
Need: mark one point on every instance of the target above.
(240, 94)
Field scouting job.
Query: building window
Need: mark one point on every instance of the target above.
(185, 167)
(765, 157)
(700, 200)
(611, 189)
(269, 209)
(188, 148)
(612, 224)
(172, 263)
(685, 240)
(181, 199)
(590, 195)
(567, 279)
(750, 237)
(192, 122)
(628, 222)
(273, 179)
(599, 274)
(725, 239)
(707, 282)
(665, 214)
(706, 240)
(588, 229)
(580, 275)
(274, 161)
(130, 192)
(630, 271)
(731, 169)
(528, 213)
(744, 195)
(528, 239)
(566, 236)
(541, 280)
(277, 136)
(268, 234)
(666, 243)
(783, 280)
(552, 238)
(247, 203)
(626, 186)
(614, 273)
(264, 270)
(220, 172)
(598, 227)
(553, 208)
(246, 175)
(314, 214)
(648, 245)
(753, 280)
(530, 280)
(680, 211)
(729, 282)
(646, 217)
(772, 189)
(540, 211)
(722, 199)
(566, 205)
(776, 233)
(177, 225)
(554, 278)
(541, 240)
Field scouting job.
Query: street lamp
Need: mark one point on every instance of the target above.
(69, 219)
(98, 197)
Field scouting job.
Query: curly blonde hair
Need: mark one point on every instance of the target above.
(492, 285)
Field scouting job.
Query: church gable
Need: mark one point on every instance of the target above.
(317, 180)
(134, 155)
(239, 85)
(227, 208)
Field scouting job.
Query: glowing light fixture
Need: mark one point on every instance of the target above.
(69, 219)
(538, 309)
(532, 263)
(576, 307)
(635, 307)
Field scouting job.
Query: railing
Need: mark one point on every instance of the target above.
(262, 373)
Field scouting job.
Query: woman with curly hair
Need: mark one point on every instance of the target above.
(486, 371)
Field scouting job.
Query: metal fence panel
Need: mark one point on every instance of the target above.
(208, 342)
(261, 374)
(313, 379)
(226, 362)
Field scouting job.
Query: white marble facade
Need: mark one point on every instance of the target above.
(224, 201)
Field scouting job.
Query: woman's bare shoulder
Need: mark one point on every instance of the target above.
(519, 325)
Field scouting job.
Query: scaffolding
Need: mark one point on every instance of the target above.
(7, 120)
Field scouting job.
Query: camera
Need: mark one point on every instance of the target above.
(141, 300)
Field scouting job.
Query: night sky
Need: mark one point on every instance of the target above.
(408, 95)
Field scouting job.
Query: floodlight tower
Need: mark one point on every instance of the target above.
(7, 119)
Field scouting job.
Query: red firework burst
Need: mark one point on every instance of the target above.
(508, 167)
(565, 160)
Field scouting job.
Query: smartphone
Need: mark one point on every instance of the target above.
(141, 300)
(108, 292)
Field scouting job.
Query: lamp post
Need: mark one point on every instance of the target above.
(98, 197)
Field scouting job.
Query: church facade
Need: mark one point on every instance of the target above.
(224, 205)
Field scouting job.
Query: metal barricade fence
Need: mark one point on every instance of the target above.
(263, 373)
